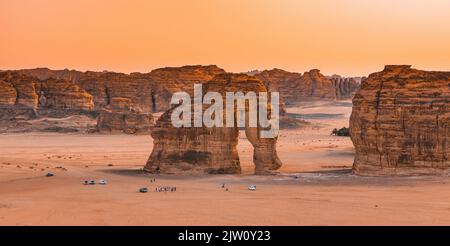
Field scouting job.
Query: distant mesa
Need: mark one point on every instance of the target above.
(345, 87)
(400, 124)
(253, 72)
(312, 85)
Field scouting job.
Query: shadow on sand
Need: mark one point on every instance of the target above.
(336, 176)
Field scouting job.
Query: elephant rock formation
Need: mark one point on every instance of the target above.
(198, 150)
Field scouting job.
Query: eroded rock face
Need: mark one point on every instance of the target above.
(151, 92)
(126, 122)
(169, 80)
(121, 116)
(317, 86)
(8, 95)
(345, 87)
(295, 87)
(24, 94)
(45, 73)
(9, 108)
(26, 87)
(197, 150)
(400, 122)
(29, 93)
(62, 94)
(286, 83)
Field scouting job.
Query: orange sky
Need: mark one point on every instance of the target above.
(348, 37)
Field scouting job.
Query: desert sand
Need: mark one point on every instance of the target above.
(315, 186)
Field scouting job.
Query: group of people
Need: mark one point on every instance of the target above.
(159, 189)
(166, 189)
(224, 187)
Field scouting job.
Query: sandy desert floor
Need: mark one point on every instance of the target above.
(315, 186)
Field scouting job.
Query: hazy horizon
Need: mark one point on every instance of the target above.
(260, 70)
(148, 71)
(348, 37)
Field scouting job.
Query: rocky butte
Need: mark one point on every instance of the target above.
(198, 150)
(345, 87)
(400, 122)
(312, 85)
(29, 97)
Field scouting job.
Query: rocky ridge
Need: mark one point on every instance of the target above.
(312, 85)
(41, 92)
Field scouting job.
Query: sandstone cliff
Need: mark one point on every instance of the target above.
(169, 80)
(295, 87)
(121, 116)
(345, 87)
(45, 73)
(57, 93)
(286, 83)
(151, 92)
(8, 95)
(29, 93)
(400, 122)
(63, 95)
(210, 150)
(104, 86)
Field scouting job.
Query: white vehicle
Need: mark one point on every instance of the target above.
(102, 182)
(252, 187)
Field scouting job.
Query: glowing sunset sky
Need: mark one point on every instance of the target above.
(348, 37)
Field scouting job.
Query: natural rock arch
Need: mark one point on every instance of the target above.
(400, 123)
(196, 150)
